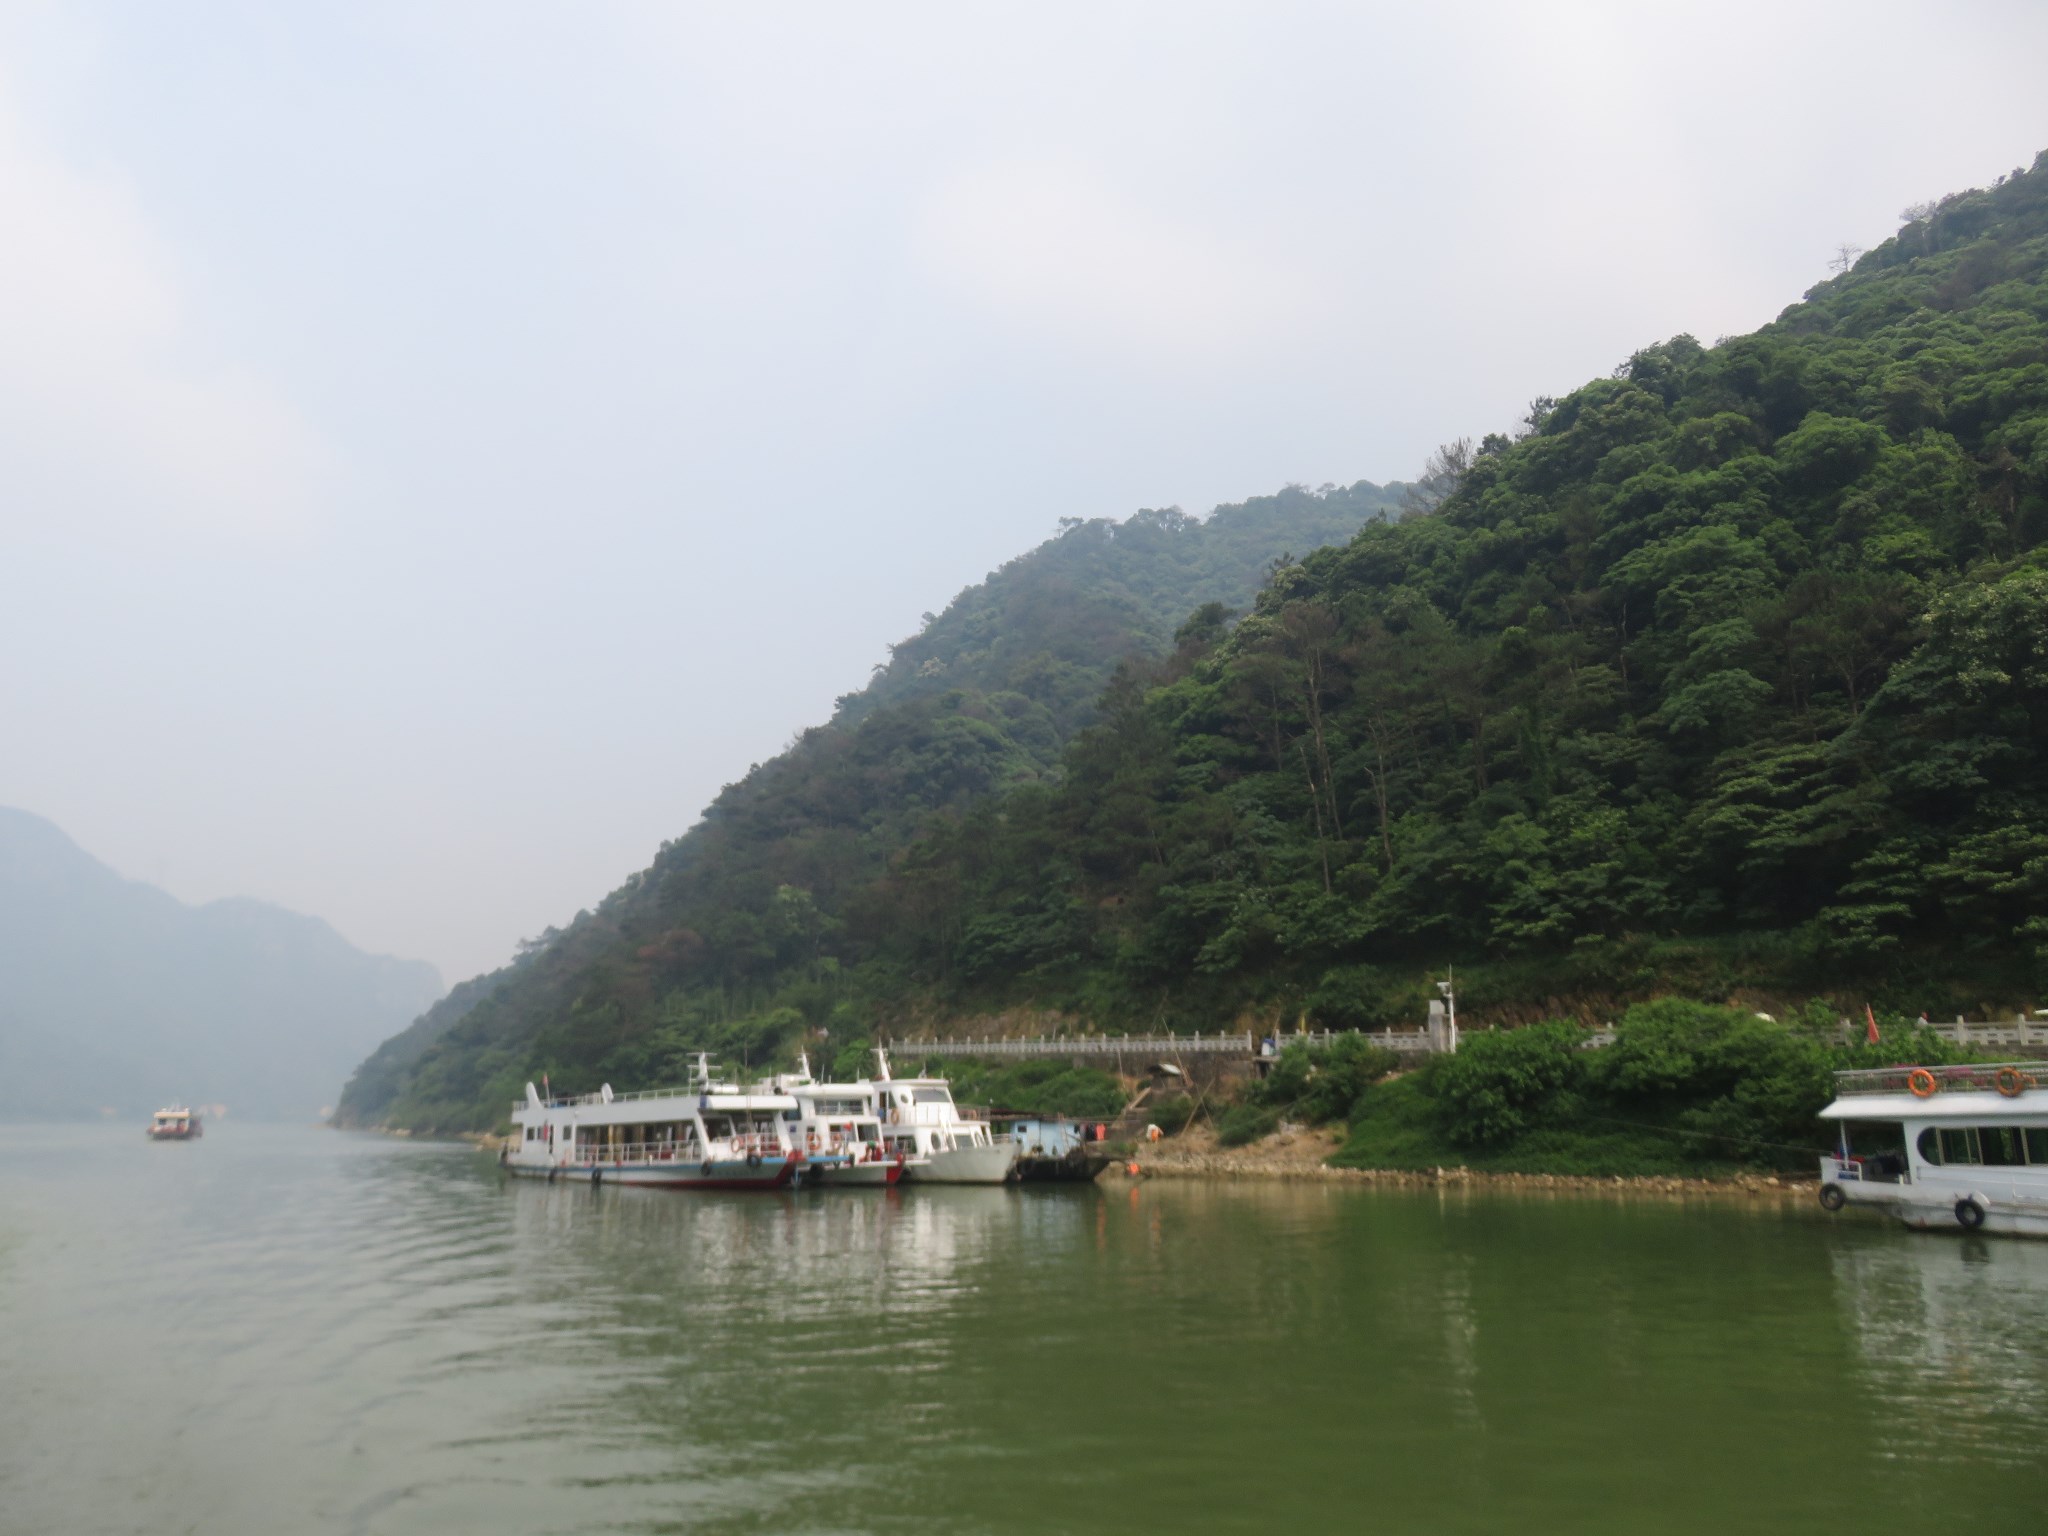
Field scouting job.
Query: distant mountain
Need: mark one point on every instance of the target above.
(734, 938)
(115, 995)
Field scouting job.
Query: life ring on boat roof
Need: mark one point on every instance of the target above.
(1920, 1083)
(2011, 1082)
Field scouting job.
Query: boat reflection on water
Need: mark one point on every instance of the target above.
(1950, 1335)
(900, 1251)
(692, 1337)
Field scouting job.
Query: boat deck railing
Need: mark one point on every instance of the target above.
(688, 1091)
(688, 1151)
(1884, 1169)
(1996, 1076)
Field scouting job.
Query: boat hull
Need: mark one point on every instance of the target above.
(966, 1165)
(1938, 1206)
(725, 1173)
(1075, 1167)
(860, 1175)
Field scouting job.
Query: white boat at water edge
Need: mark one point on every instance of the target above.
(921, 1124)
(708, 1135)
(705, 1135)
(1962, 1148)
(843, 1136)
(780, 1134)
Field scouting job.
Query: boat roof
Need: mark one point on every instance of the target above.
(1967, 1091)
(661, 1104)
(1941, 1106)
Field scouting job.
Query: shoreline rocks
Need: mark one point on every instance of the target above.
(1303, 1155)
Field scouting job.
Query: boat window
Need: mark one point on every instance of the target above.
(2036, 1137)
(934, 1096)
(1959, 1146)
(2000, 1145)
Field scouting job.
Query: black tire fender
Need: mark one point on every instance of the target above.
(1831, 1197)
(1969, 1213)
(753, 1159)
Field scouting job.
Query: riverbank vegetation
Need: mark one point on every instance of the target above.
(1685, 1089)
(1040, 1087)
(1725, 675)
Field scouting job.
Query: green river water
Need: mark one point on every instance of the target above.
(284, 1330)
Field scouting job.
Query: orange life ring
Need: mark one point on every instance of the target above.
(1920, 1083)
(2012, 1082)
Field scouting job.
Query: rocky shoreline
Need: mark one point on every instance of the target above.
(1304, 1155)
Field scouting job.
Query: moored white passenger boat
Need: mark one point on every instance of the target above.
(920, 1119)
(841, 1135)
(707, 1135)
(919, 1125)
(1943, 1147)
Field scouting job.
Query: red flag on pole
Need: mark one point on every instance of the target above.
(1870, 1034)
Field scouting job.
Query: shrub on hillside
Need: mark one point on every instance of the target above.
(1041, 1087)
(1502, 1083)
(1245, 1123)
(1320, 1083)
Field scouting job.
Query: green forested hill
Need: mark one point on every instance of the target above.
(1729, 675)
(738, 934)
(1734, 671)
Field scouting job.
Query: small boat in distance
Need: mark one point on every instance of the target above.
(173, 1125)
(1961, 1147)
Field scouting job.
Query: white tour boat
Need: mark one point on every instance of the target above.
(707, 1135)
(841, 1134)
(919, 1125)
(920, 1119)
(1955, 1147)
(174, 1125)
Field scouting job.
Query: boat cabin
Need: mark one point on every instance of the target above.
(706, 1133)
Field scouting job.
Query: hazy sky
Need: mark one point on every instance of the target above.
(441, 444)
